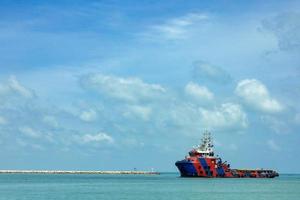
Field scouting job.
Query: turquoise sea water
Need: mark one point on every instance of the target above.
(147, 187)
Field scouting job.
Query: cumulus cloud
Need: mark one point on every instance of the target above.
(127, 89)
(50, 120)
(88, 115)
(17, 87)
(29, 132)
(233, 147)
(138, 111)
(297, 118)
(273, 145)
(203, 71)
(256, 94)
(228, 115)
(23, 143)
(286, 28)
(199, 92)
(3, 121)
(276, 125)
(132, 142)
(176, 28)
(13, 86)
(100, 137)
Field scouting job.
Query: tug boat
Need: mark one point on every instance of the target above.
(201, 162)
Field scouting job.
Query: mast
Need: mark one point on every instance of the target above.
(206, 146)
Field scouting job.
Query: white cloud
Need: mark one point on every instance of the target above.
(176, 28)
(128, 89)
(132, 142)
(276, 125)
(3, 121)
(20, 89)
(233, 147)
(228, 115)
(137, 111)
(182, 115)
(297, 118)
(14, 87)
(286, 28)
(88, 115)
(230, 146)
(100, 137)
(36, 134)
(21, 142)
(3, 90)
(24, 144)
(255, 94)
(273, 146)
(29, 132)
(198, 92)
(50, 120)
(203, 71)
(193, 119)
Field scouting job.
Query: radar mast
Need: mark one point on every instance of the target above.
(206, 146)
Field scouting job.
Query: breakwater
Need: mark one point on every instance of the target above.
(74, 172)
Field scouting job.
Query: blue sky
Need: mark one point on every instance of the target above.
(133, 84)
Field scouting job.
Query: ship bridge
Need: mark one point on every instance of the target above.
(205, 148)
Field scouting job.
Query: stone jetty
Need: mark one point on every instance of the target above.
(74, 172)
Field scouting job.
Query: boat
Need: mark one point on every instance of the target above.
(202, 162)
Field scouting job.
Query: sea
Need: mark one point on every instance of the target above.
(168, 186)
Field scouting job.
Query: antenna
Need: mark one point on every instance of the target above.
(206, 146)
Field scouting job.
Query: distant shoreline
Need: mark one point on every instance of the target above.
(74, 172)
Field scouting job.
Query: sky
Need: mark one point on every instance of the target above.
(118, 85)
